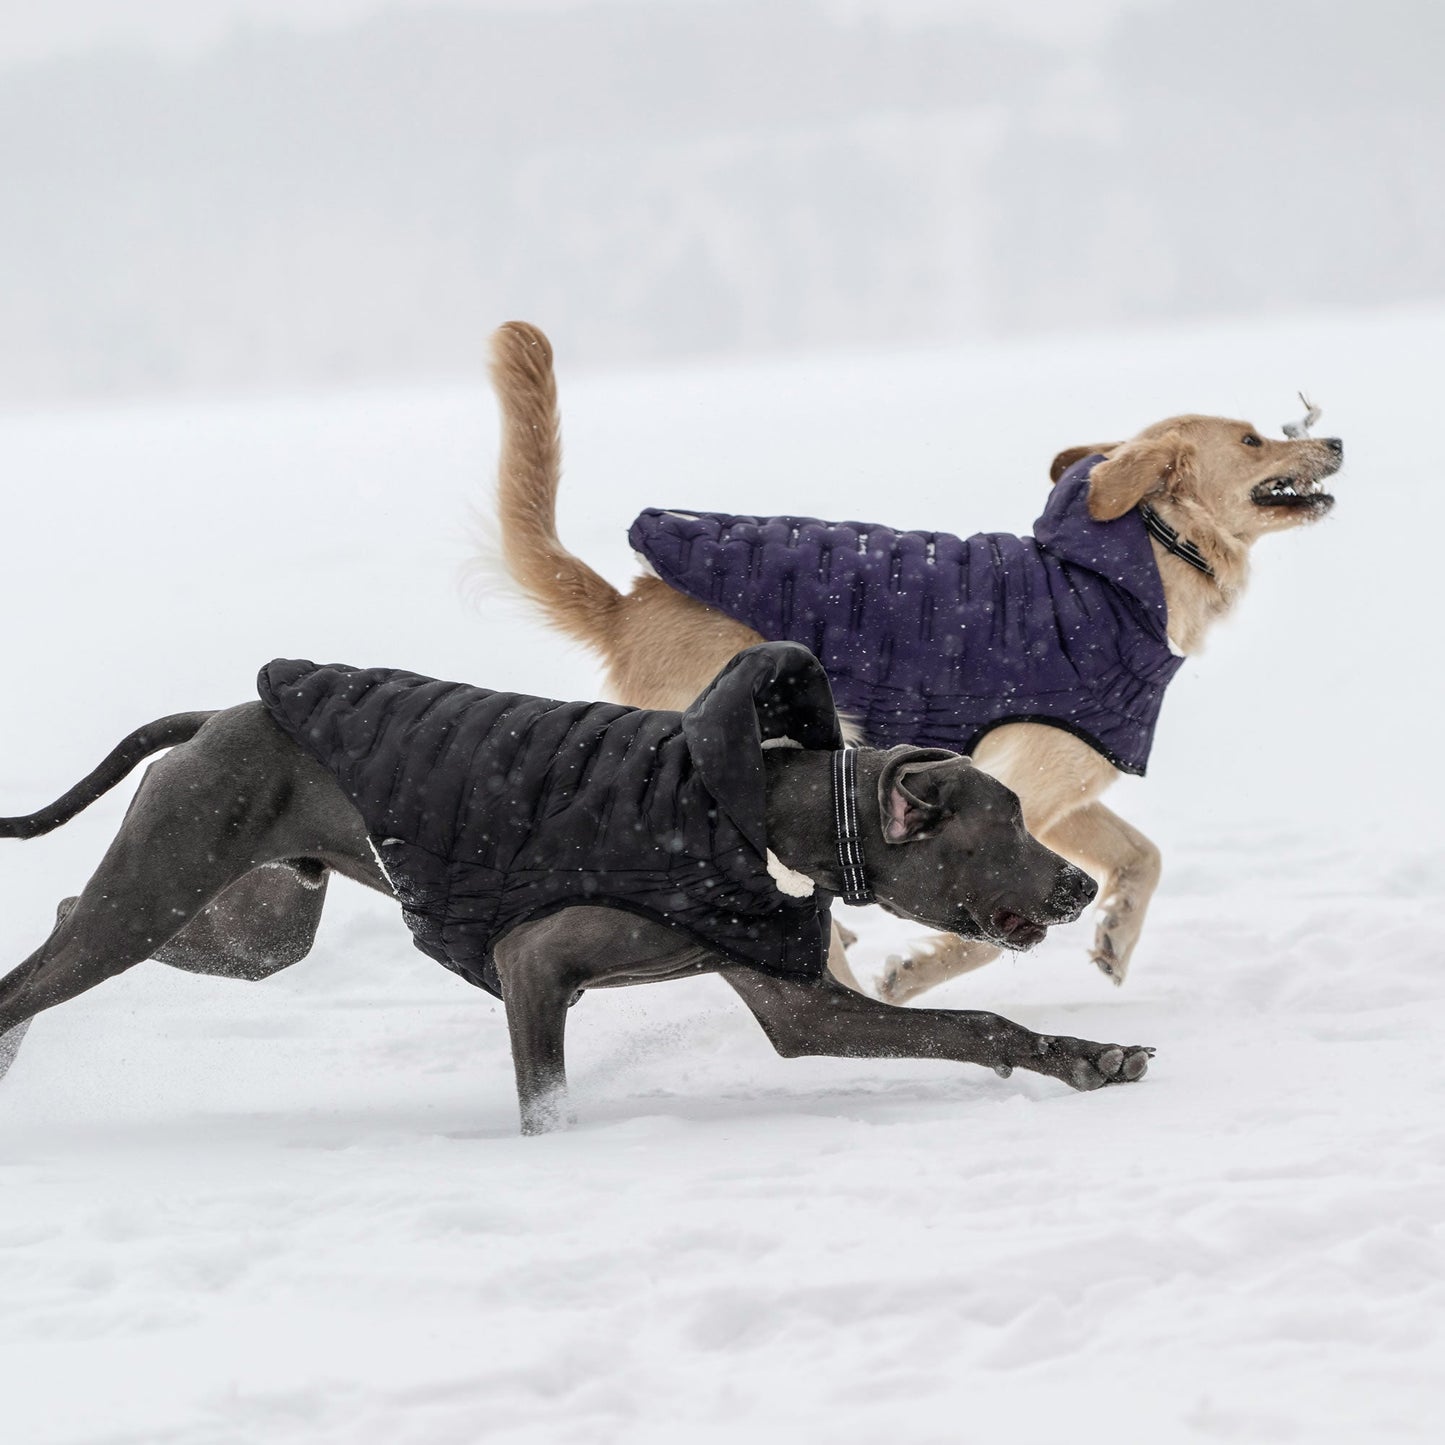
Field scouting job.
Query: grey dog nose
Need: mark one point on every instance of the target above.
(1335, 445)
(1075, 890)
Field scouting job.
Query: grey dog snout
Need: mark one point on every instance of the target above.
(1074, 891)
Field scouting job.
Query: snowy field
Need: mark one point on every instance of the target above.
(299, 1211)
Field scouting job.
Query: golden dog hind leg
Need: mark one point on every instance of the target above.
(838, 964)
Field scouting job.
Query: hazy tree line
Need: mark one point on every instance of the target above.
(652, 181)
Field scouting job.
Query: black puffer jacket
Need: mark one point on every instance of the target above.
(490, 808)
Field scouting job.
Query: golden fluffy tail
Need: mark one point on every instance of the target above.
(575, 599)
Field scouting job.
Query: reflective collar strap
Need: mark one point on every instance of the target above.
(845, 822)
(1171, 541)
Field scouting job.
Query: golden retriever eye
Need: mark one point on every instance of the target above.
(1250, 440)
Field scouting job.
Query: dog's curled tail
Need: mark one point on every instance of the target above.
(165, 732)
(576, 600)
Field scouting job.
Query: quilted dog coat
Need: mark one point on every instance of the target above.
(933, 639)
(490, 808)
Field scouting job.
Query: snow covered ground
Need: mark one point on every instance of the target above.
(298, 1211)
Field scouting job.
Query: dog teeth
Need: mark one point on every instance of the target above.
(1293, 487)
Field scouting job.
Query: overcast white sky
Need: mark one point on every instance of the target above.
(35, 29)
(688, 177)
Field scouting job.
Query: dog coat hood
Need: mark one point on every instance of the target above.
(487, 809)
(933, 639)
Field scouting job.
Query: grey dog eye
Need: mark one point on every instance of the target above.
(1250, 440)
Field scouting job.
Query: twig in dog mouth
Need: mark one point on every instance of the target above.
(1298, 431)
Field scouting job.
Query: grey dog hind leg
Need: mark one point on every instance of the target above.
(262, 923)
(235, 798)
(544, 964)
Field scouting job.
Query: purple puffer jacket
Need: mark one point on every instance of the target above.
(933, 639)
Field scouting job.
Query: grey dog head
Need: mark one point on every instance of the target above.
(946, 846)
(943, 843)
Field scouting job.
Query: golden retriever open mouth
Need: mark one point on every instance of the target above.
(1301, 492)
(1298, 492)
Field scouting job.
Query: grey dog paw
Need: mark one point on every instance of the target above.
(1090, 1066)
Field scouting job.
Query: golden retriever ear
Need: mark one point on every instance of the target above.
(1137, 469)
(1070, 455)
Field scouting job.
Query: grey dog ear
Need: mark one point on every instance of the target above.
(773, 690)
(911, 786)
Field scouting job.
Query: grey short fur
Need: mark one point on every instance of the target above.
(222, 862)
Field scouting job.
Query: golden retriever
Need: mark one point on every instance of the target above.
(1218, 483)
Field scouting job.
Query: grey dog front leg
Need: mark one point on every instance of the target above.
(537, 965)
(545, 963)
(820, 1016)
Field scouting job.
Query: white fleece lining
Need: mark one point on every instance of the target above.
(789, 881)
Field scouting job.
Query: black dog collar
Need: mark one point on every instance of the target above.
(1171, 541)
(845, 822)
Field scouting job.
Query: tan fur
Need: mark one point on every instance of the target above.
(1070, 455)
(663, 643)
(651, 637)
(576, 599)
(1140, 469)
(1205, 476)
(661, 648)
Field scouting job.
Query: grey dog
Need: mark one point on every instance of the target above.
(222, 863)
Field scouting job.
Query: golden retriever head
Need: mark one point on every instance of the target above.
(1219, 482)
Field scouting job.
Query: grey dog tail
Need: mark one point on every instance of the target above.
(165, 732)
